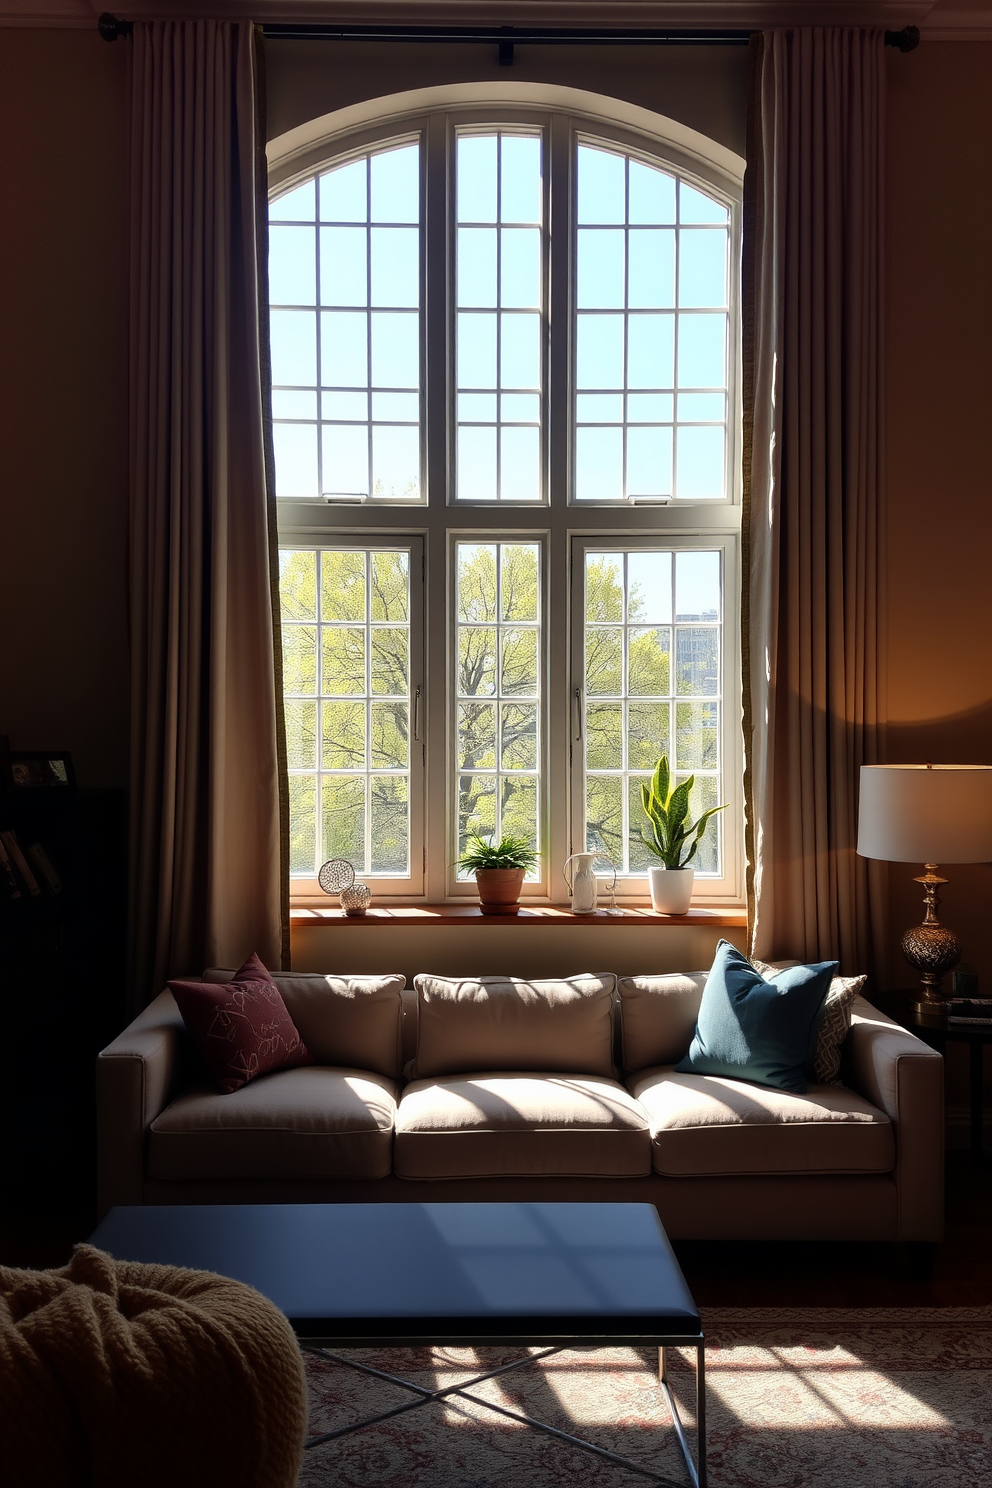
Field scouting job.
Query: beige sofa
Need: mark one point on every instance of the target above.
(501, 1089)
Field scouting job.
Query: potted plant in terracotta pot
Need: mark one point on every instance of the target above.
(499, 869)
(671, 838)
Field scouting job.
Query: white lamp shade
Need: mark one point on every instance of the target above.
(926, 813)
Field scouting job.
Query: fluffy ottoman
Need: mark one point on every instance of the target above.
(114, 1373)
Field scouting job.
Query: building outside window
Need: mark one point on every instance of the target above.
(504, 367)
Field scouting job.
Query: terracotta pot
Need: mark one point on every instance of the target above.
(499, 889)
(671, 889)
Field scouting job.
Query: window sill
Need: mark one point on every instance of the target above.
(409, 915)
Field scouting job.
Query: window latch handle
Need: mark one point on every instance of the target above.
(416, 714)
(578, 712)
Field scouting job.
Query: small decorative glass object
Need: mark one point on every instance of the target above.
(335, 875)
(356, 898)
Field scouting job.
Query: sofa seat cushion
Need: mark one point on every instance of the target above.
(304, 1123)
(493, 1124)
(711, 1125)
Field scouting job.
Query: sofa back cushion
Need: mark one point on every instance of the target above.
(353, 1021)
(658, 1017)
(506, 1023)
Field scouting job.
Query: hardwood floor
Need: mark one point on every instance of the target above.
(720, 1274)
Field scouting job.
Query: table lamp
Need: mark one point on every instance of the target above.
(927, 814)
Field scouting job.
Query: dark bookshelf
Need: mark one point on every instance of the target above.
(62, 988)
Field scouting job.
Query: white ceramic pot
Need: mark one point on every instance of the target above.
(671, 889)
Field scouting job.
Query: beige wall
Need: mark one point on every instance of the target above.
(63, 398)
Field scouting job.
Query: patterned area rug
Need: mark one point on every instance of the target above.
(817, 1398)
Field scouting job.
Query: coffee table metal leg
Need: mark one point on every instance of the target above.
(662, 1364)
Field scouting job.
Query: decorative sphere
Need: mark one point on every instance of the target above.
(356, 899)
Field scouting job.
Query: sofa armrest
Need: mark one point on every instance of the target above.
(136, 1077)
(904, 1077)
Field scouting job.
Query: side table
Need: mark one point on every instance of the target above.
(936, 1032)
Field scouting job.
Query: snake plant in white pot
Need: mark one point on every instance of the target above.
(672, 838)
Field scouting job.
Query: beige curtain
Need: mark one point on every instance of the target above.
(813, 488)
(207, 880)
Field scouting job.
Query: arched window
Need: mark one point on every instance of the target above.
(504, 367)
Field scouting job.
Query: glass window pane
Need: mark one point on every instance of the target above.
(598, 464)
(695, 206)
(650, 347)
(390, 845)
(518, 662)
(702, 350)
(342, 736)
(345, 407)
(476, 468)
(705, 406)
(477, 661)
(477, 408)
(476, 177)
(648, 734)
(390, 661)
(344, 193)
(649, 587)
(652, 195)
(520, 566)
(518, 736)
(346, 460)
(696, 740)
(520, 408)
(602, 196)
(518, 808)
(697, 660)
(396, 185)
(344, 266)
(604, 819)
(476, 736)
(299, 660)
(396, 463)
(520, 351)
(292, 266)
(476, 809)
(344, 348)
(293, 338)
(390, 587)
(604, 736)
(293, 405)
(295, 447)
(520, 267)
(703, 266)
(649, 661)
(396, 407)
(650, 408)
(604, 586)
(520, 464)
(520, 178)
(697, 586)
(604, 661)
(652, 270)
(298, 585)
(294, 206)
(477, 266)
(700, 463)
(600, 277)
(342, 584)
(343, 819)
(301, 735)
(599, 408)
(599, 357)
(302, 823)
(342, 655)
(477, 581)
(476, 351)
(649, 462)
(395, 266)
(641, 856)
(395, 349)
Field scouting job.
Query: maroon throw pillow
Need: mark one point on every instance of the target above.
(240, 1028)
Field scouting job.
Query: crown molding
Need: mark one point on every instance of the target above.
(957, 25)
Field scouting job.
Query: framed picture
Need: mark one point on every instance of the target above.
(37, 769)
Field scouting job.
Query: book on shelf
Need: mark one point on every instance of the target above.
(969, 1010)
(8, 876)
(19, 861)
(45, 867)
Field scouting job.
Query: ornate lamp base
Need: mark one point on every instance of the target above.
(929, 948)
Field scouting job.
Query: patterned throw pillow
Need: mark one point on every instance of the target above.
(834, 1025)
(241, 1028)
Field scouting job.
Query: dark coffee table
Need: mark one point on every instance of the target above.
(555, 1275)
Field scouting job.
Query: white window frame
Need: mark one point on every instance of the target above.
(562, 525)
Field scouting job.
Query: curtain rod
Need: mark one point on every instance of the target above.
(507, 37)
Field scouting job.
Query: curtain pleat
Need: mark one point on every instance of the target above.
(814, 490)
(206, 833)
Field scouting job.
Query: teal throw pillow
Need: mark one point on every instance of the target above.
(752, 1029)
